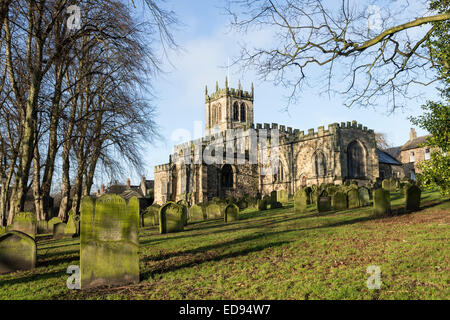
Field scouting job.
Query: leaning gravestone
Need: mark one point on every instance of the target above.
(213, 211)
(171, 218)
(412, 202)
(382, 202)
(231, 213)
(196, 213)
(17, 252)
(25, 222)
(300, 201)
(59, 230)
(323, 202)
(364, 196)
(109, 241)
(353, 198)
(340, 201)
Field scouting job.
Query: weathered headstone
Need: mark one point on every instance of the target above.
(109, 241)
(364, 196)
(52, 222)
(196, 213)
(353, 198)
(382, 202)
(184, 213)
(25, 222)
(17, 252)
(323, 202)
(213, 211)
(151, 216)
(171, 218)
(231, 213)
(59, 230)
(300, 201)
(412, 202)
(276, 205)
(42, 227)
(340, 201)
(262, 204)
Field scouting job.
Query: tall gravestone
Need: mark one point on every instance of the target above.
(196, 213)
(17, 252)
(323, 202)
(412, 201)
(109, 241)
(171, 218)
(381, 202)
(340, 201)
(300, 201)
(213, 211)
(353, 198)
(231, 213)
(364, 196)
(25, 222)
(262, 204)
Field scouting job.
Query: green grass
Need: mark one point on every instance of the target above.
(272, 254)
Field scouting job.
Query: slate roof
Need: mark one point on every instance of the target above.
(384, 157)
(415, 143)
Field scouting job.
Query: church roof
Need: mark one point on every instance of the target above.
(384, 157)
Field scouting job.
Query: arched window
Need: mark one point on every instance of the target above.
(304, 181)
(227, 176)
(214, 115)
(279, 176)
(243, 112)
(356, 160)
(219, 114)
(235, 111)
(320, 164)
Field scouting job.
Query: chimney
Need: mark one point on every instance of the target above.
(128, 182)
(412, 134)
(102, 189)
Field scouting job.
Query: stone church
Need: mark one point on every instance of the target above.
(339, 152)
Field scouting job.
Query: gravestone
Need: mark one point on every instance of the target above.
(42, 227)
(353, 198)
(196, 213)
(52, 222)
(340, 201)
(231, 213)
(151, 216)
(412, 202)
(213, 211)
(385, 184)
(364, 196)
(308, 191)
(184, 213)
(109, 241)
(323, 202)
(171, 218)
(279, 196)
(17, 252)
(59, 230)
(276, 205)
(25, 222)
(262, 204)
(300, 201)
(71, 228)
(382, 202)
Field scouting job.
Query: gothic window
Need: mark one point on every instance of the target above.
(243, 112)
(279, 176)
(304, 181)
(356, 160)
(219, 115)
(320, 164)
(227, 176)
(235, 111)
(214, 115)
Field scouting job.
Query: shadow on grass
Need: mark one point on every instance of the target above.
(33, 277)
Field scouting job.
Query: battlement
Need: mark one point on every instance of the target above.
(230, 92)
(162, 167)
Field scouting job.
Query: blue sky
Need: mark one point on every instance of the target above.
(206, 45)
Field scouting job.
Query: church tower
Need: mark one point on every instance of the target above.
(228, 108)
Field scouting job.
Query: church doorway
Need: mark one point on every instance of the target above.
(227, 176)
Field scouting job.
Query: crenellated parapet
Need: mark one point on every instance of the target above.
(238, 93)
(162, 167)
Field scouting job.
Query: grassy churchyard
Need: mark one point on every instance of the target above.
(270, 254)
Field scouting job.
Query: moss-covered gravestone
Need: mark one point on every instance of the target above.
(59, 230)
(381, 202)
(340, 201)
(364, 196)
(42, 227)
(353, 198)
(71, 228)
(262, 204)
(25, 222)
(17, 252)
(52, 222)
(276, 205)
(213, 211)
(185, 214)
(300, 201)
(231, 213)
(171, 218)
(151, 216)
(386, 184)
(323, 202)
(196, 213)
(109, 241)
(2, 230)
(412, 202)
(278, 196)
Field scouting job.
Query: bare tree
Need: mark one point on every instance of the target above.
(375, 57)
